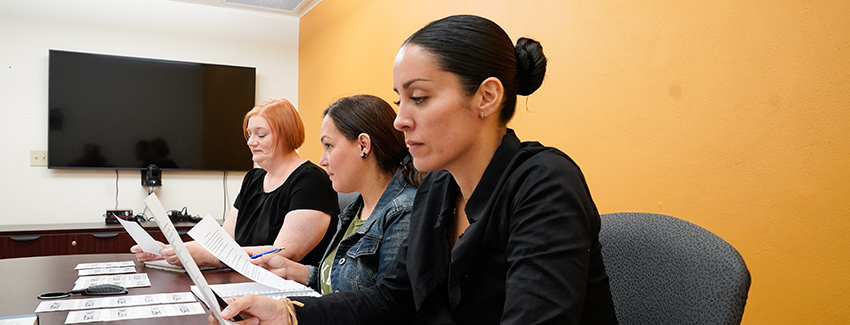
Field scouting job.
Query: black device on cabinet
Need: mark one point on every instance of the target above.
(182, 215)
(112, 216)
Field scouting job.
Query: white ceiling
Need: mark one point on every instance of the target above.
(295, 8)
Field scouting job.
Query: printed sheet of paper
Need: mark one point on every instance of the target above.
(117, 301)
(239, 289)
(167, 228)
(107, 270)
(117, 314)
(213, 238)
(142, 237)
(83, 266)
(124, 280)
(19, 319)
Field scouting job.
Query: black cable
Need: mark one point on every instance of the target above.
(116, 189)
(224, 185)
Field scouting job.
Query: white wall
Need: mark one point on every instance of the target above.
(142, 28)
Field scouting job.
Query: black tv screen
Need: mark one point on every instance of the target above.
(116, 112)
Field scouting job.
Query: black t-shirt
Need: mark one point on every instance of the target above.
(261, 214)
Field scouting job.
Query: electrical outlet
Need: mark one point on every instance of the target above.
(38, 158)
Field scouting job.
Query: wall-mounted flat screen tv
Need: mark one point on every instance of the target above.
(117, 112)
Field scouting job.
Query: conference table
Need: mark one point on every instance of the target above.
(23, 279)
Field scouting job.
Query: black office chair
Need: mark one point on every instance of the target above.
(664, 270)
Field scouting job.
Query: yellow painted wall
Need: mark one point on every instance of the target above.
(734, 115)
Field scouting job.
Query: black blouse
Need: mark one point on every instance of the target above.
(531, 254)
(261, 214)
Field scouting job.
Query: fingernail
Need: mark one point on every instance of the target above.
(255, 320)
(225, 314)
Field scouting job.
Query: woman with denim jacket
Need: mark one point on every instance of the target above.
(362, 153)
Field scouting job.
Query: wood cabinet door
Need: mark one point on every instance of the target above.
(99, 243)
(32, 245)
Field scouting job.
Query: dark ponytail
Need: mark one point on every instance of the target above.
(475, 48)
(374, 116)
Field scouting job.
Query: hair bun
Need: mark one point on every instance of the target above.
(531, 65)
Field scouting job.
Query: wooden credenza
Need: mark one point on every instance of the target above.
(74, 238)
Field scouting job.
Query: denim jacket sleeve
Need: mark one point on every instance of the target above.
(397, 229)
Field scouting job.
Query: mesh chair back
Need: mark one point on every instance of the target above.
(665, 270)
(344, 199)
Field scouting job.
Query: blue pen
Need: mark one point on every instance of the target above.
(269, 252)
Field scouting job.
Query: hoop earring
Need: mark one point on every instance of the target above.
(363, 155)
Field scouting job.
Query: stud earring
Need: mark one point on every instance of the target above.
(481, 115)
(363, 155)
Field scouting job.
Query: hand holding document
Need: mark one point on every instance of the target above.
(167, 228)
(142, 238)
(213, 238)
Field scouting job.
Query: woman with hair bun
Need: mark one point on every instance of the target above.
(502, 231)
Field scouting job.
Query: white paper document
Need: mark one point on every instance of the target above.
(229, 290)
(19, 320)
(213, 238)
(142, 237)
(117, 314)
(125, 280)
(167, 228)
(116, 301)
(107, 270)
(83, 266)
